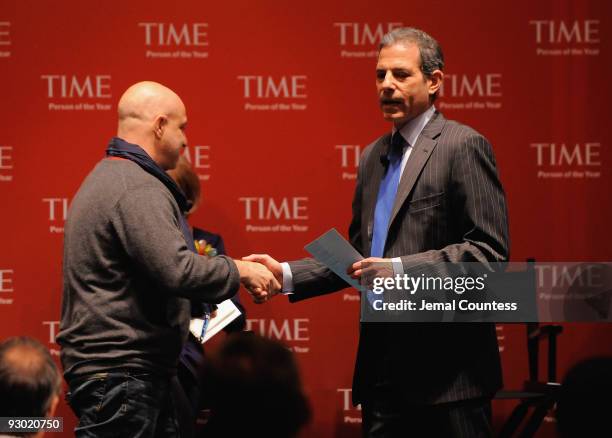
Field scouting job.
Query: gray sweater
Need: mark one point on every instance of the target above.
(127, 274)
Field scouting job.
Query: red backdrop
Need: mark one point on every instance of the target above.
(281, 99)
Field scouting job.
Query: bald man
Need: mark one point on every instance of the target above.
(130, 268)
(153, 117)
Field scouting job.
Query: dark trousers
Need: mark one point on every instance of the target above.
(463, 419)
(123, 404)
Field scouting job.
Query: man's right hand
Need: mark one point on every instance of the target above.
(270, 263)
(258, 280)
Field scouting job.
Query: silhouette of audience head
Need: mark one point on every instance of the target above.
(255, 389)
(30, 383)
(583, 408)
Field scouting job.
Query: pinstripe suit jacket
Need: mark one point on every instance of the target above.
(449, 207)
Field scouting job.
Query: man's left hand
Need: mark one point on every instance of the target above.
(367, 269)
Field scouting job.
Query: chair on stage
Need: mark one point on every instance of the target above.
(536, 396)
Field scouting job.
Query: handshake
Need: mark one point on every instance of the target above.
(261, 275)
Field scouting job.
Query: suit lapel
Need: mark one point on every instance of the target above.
(421, 152)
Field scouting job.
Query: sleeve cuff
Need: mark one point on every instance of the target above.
(287, 279)
(398, 266)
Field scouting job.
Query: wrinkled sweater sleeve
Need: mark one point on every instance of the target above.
(147, 225)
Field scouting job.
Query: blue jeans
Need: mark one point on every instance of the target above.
(123, 404)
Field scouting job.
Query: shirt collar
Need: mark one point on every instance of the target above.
(411, 130)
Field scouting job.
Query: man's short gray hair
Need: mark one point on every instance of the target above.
(431, 52)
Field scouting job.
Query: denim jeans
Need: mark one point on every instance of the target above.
(123, 404)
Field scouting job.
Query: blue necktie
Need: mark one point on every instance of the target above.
(386, 195)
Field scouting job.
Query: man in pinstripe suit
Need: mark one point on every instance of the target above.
(446, 205)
